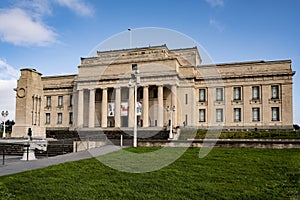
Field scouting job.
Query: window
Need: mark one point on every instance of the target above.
(155, 92)
(275, 91)
(219, 115)
(59, 118)
(48, 101)
(255, 92)
(186, 98)
(237, 93)
(47, 118)
(237, 114)
(60, 101)
(186, 120)
(275, 113)
(70, 118)
(71, 100)
(201, 115)
(202, 95)
(255, 115)
(219, 94)
(141, 93)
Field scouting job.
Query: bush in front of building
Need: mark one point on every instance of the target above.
(251, 134)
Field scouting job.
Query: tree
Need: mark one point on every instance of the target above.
(8, 125)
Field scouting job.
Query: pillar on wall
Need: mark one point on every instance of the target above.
(145, 106)
(160, 107)
(174, 103)
(92, 109)
(118, 107)
(80, 109)
(131, 107)
(104, 108)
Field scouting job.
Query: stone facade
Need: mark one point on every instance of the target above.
(244, 95)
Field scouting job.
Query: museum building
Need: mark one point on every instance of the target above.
(170, 85)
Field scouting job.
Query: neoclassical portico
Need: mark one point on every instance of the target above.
(117, 105)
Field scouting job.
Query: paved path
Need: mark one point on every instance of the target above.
(13, 165)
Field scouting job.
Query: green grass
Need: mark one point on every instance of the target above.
(229, 173)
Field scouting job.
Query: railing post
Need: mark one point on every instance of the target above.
(121, 141)
(28, 152)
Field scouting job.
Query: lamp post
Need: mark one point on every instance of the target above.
(136, 80)
(4, 115)
(130, 35)
(171, 110)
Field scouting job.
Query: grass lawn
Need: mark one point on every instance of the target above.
(226, 173)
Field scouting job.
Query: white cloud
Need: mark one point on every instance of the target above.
(23, 24)
(77, 6)
(8, 81)
(8, 97)
(19, 28)
(36, 8)
(215, 3)
(7, 72)
(217, 25)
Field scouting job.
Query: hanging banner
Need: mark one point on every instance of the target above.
(124, 109)
(139, 109)
(111, 109)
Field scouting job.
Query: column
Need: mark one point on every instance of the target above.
(39, 110)
(32, 120)
(92, 109)
(160, 117)
(104, 108)
(145, 106)
(265, 108)
(36, 110)
(174, 103)
(80, 109)
(118, 107)
(131, 107)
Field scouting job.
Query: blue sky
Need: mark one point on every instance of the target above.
(51, 36)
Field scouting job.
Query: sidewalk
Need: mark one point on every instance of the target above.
(13, 165)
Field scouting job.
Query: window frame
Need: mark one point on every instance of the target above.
(60, 101)
(71, 118)
(221, 95)
(59, 118)
(219, 110)
(235, 118)
(256, 110)
(277, 94)
(258, 92)
(239, 89)
(48, 101)
(48, 118)
(71, 100)
(202, 116)
(204, 95)
(277, 111)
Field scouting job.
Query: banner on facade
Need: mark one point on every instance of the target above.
(111, 109)
(124, 109)
(139, 109)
